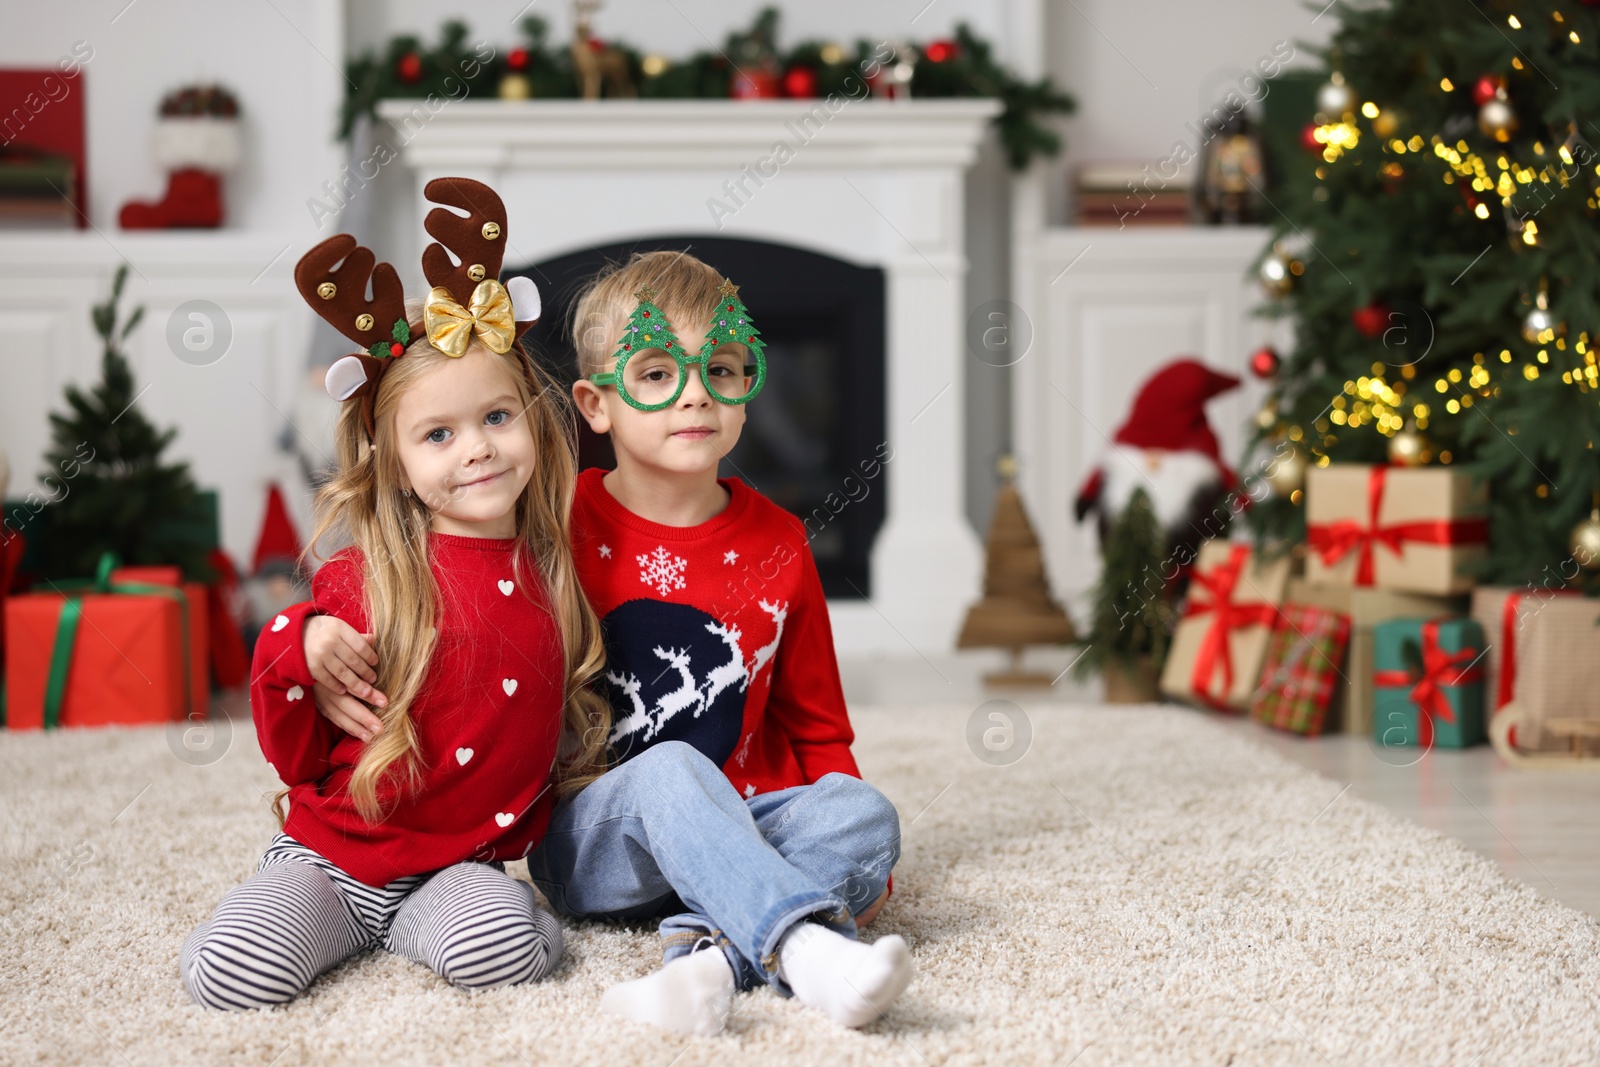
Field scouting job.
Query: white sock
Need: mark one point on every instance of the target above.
(691, 995)
(850, 982)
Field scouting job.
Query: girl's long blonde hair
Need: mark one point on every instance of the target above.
(364, 503)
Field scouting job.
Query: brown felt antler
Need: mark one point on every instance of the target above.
(339, 294)
(477, 240)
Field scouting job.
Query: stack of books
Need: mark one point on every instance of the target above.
(1130, 194)
(36, 190)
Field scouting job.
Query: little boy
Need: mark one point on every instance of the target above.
(719, 654)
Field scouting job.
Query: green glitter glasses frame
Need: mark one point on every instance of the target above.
(652, 370)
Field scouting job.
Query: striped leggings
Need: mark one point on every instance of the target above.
(300, 914)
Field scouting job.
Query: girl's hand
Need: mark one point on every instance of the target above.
(346, 712)
(341, 660)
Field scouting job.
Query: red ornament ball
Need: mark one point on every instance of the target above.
(1265, 361)
(1372, 320)
(410, 68)
(1484, 89)
(596, 45)
(941, 50)
(517, 59)
(800, 83)
(1308, 139)
(396, 348)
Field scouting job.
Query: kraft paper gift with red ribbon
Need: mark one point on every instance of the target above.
(1428, 683)
(97, 653)
(1411, 528)
(1221, 638)
(1506, 615)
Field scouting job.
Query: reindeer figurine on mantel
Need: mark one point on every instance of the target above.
(595, 61)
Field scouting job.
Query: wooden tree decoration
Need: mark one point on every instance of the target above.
(1017, 609)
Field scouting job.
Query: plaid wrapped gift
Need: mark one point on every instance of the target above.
(1304, 660)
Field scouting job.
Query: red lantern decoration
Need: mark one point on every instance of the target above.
(1484, 89)
(800, 83)
(1265, 361)
(941, 50)
(1372, 320)
(517, 59)
(410, 68)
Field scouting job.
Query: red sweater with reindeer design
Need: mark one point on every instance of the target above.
(488, 719)
(716, 635)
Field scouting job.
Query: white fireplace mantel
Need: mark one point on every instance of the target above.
(875, 183)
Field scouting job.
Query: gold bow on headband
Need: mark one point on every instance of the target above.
(489, 315)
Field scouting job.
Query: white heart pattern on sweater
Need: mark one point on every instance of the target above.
(509, 685)
(506, 586)
(279, 623)
(463, 755)
(295, 692)
(504, 819)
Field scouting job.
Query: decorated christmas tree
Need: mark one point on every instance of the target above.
(1439, 255)
(116, 494)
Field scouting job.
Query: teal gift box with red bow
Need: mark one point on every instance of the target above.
(1428, 682)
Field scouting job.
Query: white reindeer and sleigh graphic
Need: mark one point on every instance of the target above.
(694, 692)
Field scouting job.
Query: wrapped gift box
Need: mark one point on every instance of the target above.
(199, 601)
(1428, 683)
(1222, 634)
(1351, 707)
(1556, 680)
(1409, 528)
(1305, 658)
(129, 661)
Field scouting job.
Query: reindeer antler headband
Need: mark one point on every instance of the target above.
(466, 300)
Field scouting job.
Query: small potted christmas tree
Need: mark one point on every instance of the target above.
(1133, 612)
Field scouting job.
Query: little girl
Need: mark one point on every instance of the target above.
(455, 480)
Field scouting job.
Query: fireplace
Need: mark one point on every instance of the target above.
(821, 414)
(869, 204)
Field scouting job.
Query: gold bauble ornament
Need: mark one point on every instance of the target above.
(1335, 99)
(653, 65)
(515, 86)
(1585, 542)
(1267, 417)
(1287, 472)
(1409, 448)
(1386, 124)
(1496, 119)
(1276, 275)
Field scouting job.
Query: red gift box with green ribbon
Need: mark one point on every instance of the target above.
(125, 647)
(1428, 682)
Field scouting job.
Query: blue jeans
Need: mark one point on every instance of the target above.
(666, 834)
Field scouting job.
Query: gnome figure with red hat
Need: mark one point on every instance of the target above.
(1167, 448)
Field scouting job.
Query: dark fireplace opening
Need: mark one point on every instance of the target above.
(814, 439)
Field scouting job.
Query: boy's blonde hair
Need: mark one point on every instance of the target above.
(364, 502)
(686, 291)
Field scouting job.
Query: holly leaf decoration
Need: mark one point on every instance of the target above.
(379, 350)
(402, 331)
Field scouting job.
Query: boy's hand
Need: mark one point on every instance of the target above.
(346, 712)
(341, 660)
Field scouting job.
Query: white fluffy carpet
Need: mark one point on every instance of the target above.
(1141, 887)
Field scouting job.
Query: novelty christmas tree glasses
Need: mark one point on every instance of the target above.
(652, 368)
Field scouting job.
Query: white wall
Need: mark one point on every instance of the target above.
(1141, 69)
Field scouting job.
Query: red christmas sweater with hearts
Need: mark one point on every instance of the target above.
(488, 720)
(716, 635)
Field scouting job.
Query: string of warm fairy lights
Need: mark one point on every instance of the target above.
(1376, 401)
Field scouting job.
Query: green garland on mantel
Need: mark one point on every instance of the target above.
(960, 67)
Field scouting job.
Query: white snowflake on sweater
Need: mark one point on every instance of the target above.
(662, 570)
